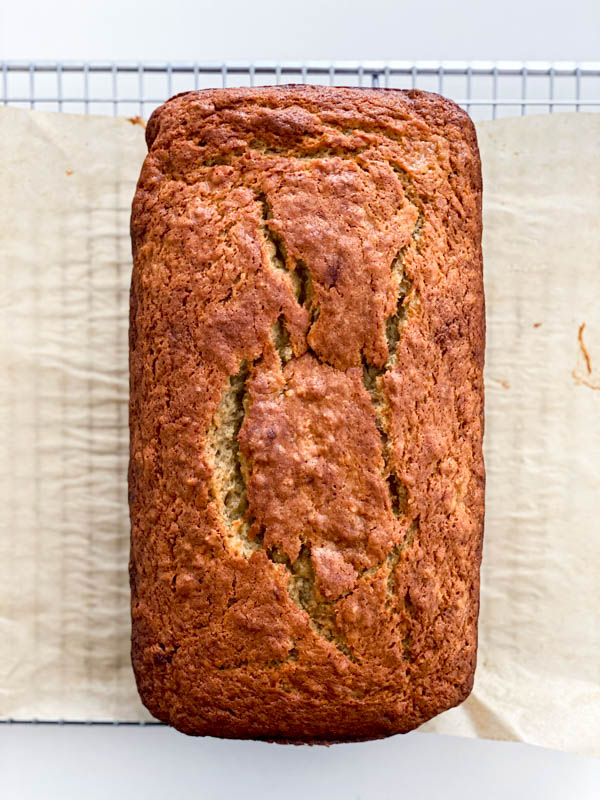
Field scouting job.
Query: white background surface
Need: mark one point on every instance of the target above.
(304, 29)
(73, 762)
(159, 763)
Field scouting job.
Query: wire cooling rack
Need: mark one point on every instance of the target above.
(487, 90)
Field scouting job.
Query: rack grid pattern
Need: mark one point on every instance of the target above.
(487, 90)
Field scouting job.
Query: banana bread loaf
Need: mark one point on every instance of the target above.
(306, 475)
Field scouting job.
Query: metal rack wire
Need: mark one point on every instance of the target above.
(487, 90)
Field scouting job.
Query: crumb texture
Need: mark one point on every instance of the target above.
(306, 351)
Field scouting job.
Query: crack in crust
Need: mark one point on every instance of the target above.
(281, 340)
(294, 269)
(228, 484)
(372, 375)
(231, 495)
(391, 588)
(276, 252)
(302, 590)
(231, 472)
(396, 490)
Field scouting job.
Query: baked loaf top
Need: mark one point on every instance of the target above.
(306, 475)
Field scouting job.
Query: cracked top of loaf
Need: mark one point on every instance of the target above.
(306, 475)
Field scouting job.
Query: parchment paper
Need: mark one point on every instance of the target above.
(65, 193)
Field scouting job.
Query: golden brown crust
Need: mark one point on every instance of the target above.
(306, 475)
